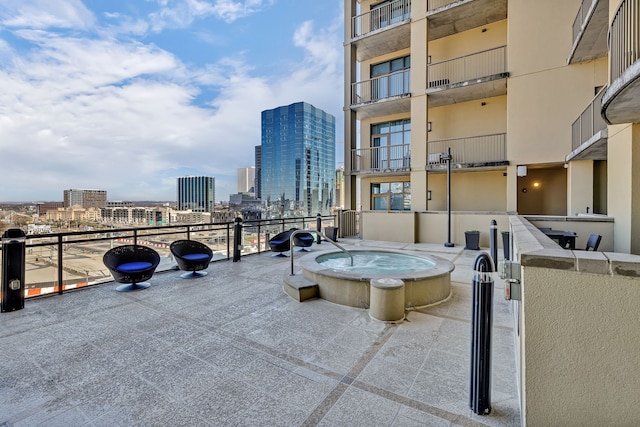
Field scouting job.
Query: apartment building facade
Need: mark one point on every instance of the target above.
(486, 106)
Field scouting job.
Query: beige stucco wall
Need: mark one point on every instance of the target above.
(581, 337)
(477, 191)
(469, 119)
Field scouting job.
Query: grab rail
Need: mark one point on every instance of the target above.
(291, 245)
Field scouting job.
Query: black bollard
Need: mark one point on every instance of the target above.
(237, 239)
(493, 243)
(319, 228)
(481, 324)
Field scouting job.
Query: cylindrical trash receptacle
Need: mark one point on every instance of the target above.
(13, 262)
(386, 299)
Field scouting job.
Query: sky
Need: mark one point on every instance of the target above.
(127, 95)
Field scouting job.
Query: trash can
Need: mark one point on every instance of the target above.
(13, 261)
(331, 233)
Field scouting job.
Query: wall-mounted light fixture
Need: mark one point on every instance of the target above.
(521, 170)
(536, 184)
(428, 194)
(483, 103)
(428, 126)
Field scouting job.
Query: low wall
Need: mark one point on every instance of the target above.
(577, 333)
(582, 225)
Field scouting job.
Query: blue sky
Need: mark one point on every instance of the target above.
(127, 95)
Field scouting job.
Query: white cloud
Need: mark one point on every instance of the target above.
(120, 116)
(45, 14)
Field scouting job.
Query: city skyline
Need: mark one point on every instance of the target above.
(127, 98)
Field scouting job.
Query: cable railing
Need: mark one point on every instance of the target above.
(60, 262)
(378, 88)
(589, 122)
(491, 62)
(475, 151)
(387, 158)
(380, 17)
(624, 38)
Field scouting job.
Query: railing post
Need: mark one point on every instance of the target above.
(60, 237)
(319, 228)
(237, 239)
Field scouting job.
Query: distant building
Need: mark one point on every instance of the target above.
(246, 179)
(196, 193)
(119, 204)
(85, 198)
(298, 160)
(43, 208)
(258, 182)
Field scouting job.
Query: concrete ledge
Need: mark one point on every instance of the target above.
(299, 287)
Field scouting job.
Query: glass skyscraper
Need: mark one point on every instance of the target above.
(196, 193)
(298, 160)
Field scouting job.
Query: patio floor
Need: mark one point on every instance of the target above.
(233, 349)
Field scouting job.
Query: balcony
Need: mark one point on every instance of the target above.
(387, 160)
(621, 101)
(388, 94)
(476, 76)
(382, 30)
(590, 31)
(448, 17)
(589, 133)
(485, 151)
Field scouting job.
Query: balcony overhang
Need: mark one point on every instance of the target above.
(595, 148)
(468, 167)
(382, 172)
(485, 87)
(384, 40)
(383, 107)
(591, 41)
(621, 101)
(464, 15)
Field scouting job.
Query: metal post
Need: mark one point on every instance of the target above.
(447, 158)
(237, 239)
(481, 324)
(493, 246)
(319, 228)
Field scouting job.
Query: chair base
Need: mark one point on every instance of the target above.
(304, 250)
(132, 286)
(281, 255)
(193, 274)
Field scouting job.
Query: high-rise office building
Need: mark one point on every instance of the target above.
(258, 181)
(85, 198)
(246, 179)
(196, 193)
(298, 160)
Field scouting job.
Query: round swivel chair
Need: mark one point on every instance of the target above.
(191, 256)
(131, 265)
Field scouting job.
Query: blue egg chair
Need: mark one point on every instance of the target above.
(131, 265)
(191, 256)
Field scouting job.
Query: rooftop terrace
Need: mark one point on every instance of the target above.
(232, 348)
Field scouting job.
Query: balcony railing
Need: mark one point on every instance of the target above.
(380, 17)
(60, 262)
(390, 158)
(492, 62)
(588, 123)
(383, 87)
(581, 16)
(470, 152)
(624, 37)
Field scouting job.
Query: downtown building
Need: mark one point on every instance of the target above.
(297, 167)
(85, 198)
(196, 193)
(527, 112)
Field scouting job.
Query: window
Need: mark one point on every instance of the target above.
(391, 78)
(391, 196)
(393, 139)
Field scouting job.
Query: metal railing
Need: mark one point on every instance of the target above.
(487, 63)
(389, 158)
(589, 122)
(583, 11)
(471, 151)
(624, 38)
(387, 86)
(380, 17)
(59, 262)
